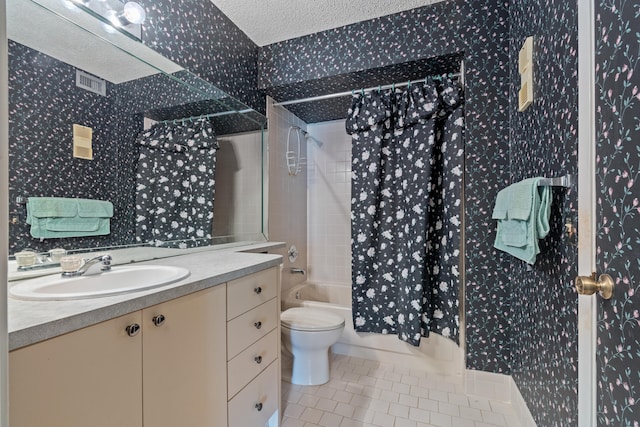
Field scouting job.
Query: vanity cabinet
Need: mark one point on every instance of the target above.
(207, 359)
(90, 377)
(183, 364)
(253, 349)
(161, 366)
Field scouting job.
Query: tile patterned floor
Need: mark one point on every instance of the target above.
(367, 393)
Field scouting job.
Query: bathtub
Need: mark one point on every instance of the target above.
(435, 354)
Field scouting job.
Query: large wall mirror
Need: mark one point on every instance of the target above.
(68, 68)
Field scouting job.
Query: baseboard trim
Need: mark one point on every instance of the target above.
(520, 407)
(492, 386)
(421, 362)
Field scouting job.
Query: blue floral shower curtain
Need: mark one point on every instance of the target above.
(407, 163)
(175, 184)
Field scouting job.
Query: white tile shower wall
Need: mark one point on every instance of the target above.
(238, 198)
(329, 203)
(287, 217)
(488, 385)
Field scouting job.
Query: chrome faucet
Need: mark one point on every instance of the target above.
(91, 266)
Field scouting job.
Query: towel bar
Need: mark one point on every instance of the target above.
(561, 181)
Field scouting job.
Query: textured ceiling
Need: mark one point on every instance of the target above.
(271, 21)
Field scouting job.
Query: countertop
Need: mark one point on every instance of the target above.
(33, 321)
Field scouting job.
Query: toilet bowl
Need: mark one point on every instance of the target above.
(308, 333)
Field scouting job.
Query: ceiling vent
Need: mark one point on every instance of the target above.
(91, 83)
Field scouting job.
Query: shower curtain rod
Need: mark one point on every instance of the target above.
(207, 116)
(369, 89)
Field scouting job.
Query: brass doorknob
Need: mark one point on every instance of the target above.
(586, 285)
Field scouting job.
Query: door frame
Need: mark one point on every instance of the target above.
(4, 213)
(587, 305)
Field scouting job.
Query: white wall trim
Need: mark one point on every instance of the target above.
(587, 305)
(491, 386)
(4, 214)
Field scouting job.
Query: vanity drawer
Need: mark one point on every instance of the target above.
(255, 404)
(248, 364)
(248, 328)
(248, 292)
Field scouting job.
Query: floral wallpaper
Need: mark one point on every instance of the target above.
(199, 37)
(43, 104)
(543, 142)
(618, 210)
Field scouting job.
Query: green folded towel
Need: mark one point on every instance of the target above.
(522, 211)
(58, 217)
(94, 208)
(43, 207)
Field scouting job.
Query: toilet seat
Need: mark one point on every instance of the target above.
(310, 319)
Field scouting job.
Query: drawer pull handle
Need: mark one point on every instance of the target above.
(257, 290)
(259, 406)
(258, 324)
(258, 359)
(133, 329)
(158, 320)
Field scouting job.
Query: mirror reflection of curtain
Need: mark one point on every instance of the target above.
(407, 163)
(175, 184)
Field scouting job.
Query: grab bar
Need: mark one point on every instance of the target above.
(561, 181)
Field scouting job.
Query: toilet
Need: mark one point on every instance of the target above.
(308, 333)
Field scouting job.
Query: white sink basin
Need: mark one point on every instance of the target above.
(119, 280)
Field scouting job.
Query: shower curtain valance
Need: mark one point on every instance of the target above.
(405, 107)
(178, 137)
(407, 162)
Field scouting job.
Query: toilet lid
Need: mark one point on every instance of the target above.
(310, 319)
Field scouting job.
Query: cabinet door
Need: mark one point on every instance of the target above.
(184, 366)
(90, 377)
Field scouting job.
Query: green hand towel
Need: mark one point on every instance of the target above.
(94, 208)
(57, 217)
(522, 211)
(46, 207)
(58, 228)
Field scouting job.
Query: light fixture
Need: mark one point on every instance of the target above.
(125, 16)
(132, 13)
(70, 4)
